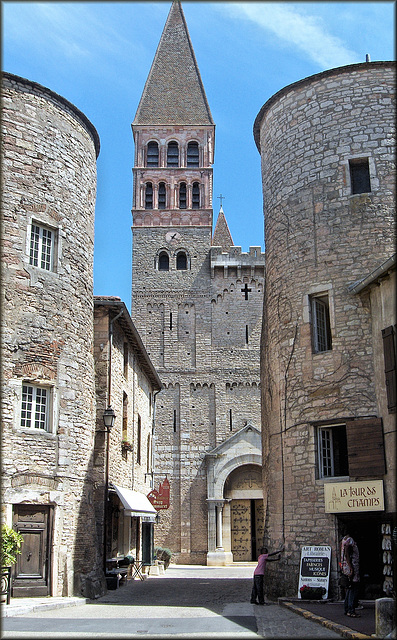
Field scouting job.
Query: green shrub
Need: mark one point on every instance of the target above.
(11, 542)
(164, 555)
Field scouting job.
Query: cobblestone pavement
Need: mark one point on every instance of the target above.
(188, 602)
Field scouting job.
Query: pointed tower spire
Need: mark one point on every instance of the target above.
(222, 236)
(174, 92)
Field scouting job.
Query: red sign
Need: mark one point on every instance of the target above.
(160, 499)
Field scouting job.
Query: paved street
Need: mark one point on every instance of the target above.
(194, 602)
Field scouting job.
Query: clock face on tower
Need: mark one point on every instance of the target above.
(173, 236)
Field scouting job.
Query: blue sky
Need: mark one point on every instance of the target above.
(97, 55)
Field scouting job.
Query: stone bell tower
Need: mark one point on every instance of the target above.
(197, 306)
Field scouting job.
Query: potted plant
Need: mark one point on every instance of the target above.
(11, 542)
(126, 446)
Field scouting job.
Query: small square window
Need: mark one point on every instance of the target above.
(35, 409)
(359, 176)
(41, 249)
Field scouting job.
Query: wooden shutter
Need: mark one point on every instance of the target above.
(390, 367)
(365, 447)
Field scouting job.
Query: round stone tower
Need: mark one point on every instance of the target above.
(48, 197)
(327, 155)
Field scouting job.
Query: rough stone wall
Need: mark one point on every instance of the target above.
(319, 238)
(382, 296)
(203, 337)
(49, 179)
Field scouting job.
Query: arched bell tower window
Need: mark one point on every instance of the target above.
(192, 154)
(149, 196)
(181, 261)
(182, 195)
(161, 195)
(172, 154)
(196, 195)
(152, 158)
(164, 261)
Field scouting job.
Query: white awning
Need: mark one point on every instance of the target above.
(136, 504)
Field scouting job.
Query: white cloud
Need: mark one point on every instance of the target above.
(71, 29)
(305, 32)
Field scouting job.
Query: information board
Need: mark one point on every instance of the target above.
(315, 568)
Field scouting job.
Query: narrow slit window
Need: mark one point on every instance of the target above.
(172, 154)
(152, 159)
(360, 176)
(162, 195)
(149, 196)
(182, 195)
(196, 195)
(321, 330)
(192, 154)
(230, 420)
(175, 420)
(246, 334)
(138, 441)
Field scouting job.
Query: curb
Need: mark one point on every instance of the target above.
(345, 632)
(15, 609)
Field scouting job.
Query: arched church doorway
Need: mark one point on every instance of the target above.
(244, 510)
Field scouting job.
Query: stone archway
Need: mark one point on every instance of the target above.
(233, 474)
(244, 513)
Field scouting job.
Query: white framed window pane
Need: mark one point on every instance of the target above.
(46, 250)
(35, 407)
(34, 245)
(27, 402)
(41, 247)
(326, 455)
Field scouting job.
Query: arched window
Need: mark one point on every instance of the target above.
(181, 261)
(164, 261)
(196, 195)
(152, 158)
(182, 195)
(162, 198)
(192, 154)
(172, 154)
(149, 196)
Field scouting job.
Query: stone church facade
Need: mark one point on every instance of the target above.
(329, 342)
(197, 303)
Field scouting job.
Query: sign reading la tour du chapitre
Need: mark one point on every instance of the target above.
(349, 497)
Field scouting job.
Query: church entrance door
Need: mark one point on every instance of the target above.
(246, 529)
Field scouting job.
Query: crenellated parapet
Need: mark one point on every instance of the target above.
(234, 261)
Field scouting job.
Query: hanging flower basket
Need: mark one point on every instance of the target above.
(126, 446)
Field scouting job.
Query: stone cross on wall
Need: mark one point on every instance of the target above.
(246, 291)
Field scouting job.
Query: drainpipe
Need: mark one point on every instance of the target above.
(105, 512)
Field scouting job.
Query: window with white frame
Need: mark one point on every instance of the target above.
(321, 328)
(41, 250)
(332, 451)
(35, 409)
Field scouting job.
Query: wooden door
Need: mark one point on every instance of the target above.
(241, 530)
(31, 573)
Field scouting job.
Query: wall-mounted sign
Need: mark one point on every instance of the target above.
(160, 499)
(315, 568)
(349, 497)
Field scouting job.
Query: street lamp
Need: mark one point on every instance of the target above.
(108, 420)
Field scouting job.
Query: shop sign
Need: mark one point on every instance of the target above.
(349, 497)
(314, 568)
(160, 499)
